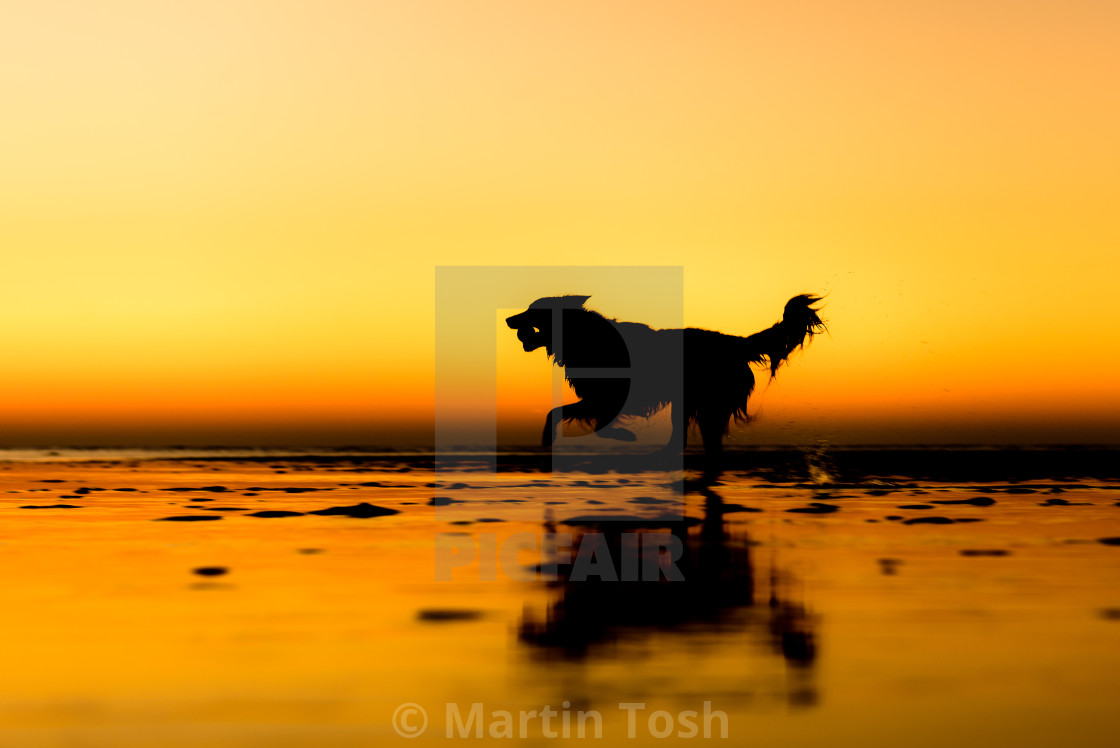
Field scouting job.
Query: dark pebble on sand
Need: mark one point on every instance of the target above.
(889, 566)
(928, 521)
(189, 518)
(52, 480)
(359, 511)
(893, 517)
(649, 500)
(376, 484)
(442, 615)
(309, 551)
(984, 552)
(442, 501)
(1020, 490)
(489, 519)
(978, 501)
(51, 506)
(623, 521)
(275, 513)
(1109, 541)
(211, 571)
(916, 506)
(730, 508)
(1110, 614)
(816, 508)
(1063, 502)
(197, 500)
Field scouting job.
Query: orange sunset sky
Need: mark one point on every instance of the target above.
(220, 221)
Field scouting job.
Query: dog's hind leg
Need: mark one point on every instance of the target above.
(713, 427)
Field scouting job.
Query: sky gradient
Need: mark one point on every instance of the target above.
(221, 220)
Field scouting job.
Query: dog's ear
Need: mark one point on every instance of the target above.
(568, 301)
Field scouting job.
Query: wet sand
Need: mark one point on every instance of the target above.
(294, 600)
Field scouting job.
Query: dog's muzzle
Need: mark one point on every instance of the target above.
(531, 339)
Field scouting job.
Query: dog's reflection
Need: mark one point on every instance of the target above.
(722, 592)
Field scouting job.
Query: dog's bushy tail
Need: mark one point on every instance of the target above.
(799, 324)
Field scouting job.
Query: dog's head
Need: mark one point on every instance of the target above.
(534, 325)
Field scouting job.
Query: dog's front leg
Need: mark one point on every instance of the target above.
(556, 416)
(679, 438)
(551, 426)
(548, 436)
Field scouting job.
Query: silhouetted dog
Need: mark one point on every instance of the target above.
(629, 369)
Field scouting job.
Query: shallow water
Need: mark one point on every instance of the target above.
(849, 624)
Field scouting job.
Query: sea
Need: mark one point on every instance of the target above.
(801, 596)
